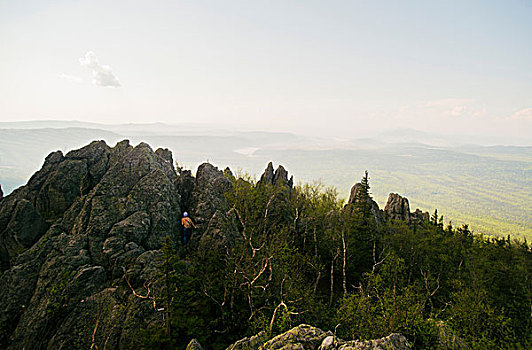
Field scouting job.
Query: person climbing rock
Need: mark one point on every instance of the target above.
(187, 224)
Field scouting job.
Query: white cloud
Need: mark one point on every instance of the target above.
(523, 114)
(451, 107)
(102, 75)
(71, 78)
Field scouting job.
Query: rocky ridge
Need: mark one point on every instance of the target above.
(89, 226)
(305, 337)
(396, 208)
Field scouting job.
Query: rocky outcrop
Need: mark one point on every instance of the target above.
(209, 205)
(1, 193)
(208, 195)
(253, 342)
(300, 337)
(81, 242)
(394, 341)
(267, 176)
(305, 337)
(355, 197)
(397, 207)
(277, 177)
(80, 245)
(28, 212)
(186, 183)
(419, 216)
(84, 224)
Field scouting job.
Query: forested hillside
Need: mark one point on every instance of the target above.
(290, 255)
(92, 257)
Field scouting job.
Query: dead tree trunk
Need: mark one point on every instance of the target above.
(344, 276)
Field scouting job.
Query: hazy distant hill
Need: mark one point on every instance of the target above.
(489, 187)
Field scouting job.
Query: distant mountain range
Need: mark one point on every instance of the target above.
(466, 179)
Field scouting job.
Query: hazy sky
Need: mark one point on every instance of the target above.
(321, 67)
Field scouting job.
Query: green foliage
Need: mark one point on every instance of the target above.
(289, 256)
(386, 303)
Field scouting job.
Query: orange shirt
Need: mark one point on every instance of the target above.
(186, 222)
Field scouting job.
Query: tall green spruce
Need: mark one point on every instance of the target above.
(285, 257)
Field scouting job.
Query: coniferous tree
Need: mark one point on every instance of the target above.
(434, 218)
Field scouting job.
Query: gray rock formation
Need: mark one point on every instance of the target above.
(253, 342)
(305, 337)
(1, 193)
(208, 195)
(185, 186)
(354, 197)
(80, 244)
(394, 341)
(267, 176)
(300, 337)
(209, 205)
(30, 210)
(397, 207)
(277, 177)
(96, 216)
(419, 216)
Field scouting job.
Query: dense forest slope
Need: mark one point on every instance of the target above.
(91, 257)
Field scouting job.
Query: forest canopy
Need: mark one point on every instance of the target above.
(282, 255)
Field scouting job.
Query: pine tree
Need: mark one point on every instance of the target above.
(364, 197)
(434, 218)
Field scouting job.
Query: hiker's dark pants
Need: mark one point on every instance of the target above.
(187, 233)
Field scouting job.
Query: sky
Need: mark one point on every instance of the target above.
(332, 68)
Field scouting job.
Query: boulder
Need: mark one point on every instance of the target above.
(306, 337)
(301, 337)
(251, 343)
(394, 341)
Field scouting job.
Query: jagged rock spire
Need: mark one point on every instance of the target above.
(277, 177)
(267, 176)
(397, 207)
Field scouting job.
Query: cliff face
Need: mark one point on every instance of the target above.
(89, 226)
(85, 223)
